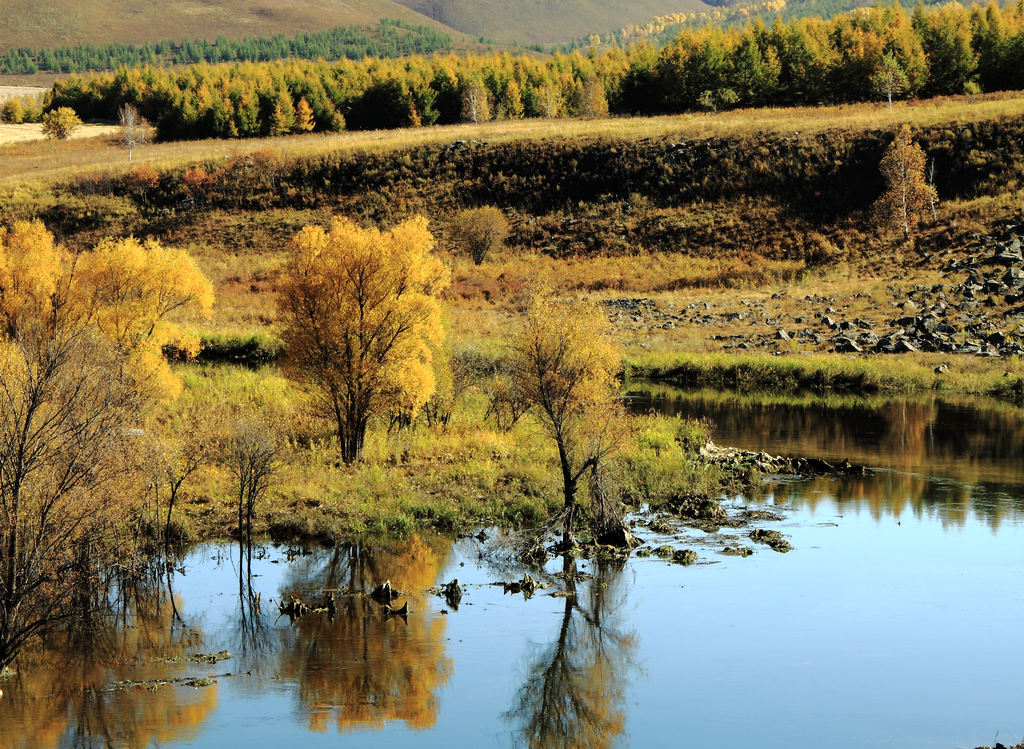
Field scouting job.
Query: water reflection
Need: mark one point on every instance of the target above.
(943, 458)
(67, 692)
(573, 693)
(360, 668)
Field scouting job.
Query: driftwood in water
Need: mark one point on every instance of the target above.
(403, 611)
(294, 608)
(452, 593)
(384, 593)
(527, 586)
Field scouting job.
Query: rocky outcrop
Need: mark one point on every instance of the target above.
(744, 461)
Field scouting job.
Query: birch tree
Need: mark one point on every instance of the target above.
(907, 193)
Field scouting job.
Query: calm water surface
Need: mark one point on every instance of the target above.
(896, 622)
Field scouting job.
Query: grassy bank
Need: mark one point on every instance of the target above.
(833, 373)
(458, 477)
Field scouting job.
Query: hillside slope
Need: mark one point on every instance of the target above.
(54, 23)
(546, 21)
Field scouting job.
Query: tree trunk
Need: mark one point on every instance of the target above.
(167, 525)
(569, 493)
(351, 436)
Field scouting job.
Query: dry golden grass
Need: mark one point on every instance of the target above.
(99, 155)
(32, 131)
(11, 92)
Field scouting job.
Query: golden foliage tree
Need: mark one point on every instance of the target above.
(563, 365)
(60, 123)
(360, 314)
(304, 121)
(907, 193)
(889, 79)
(476, 104)
(131, 289)
(79, 344)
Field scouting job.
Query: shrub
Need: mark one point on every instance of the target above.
(60, 123)
(479, 231)
(13, 112)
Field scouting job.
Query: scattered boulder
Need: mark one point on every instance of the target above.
(684, 557)
(772, 539)
(697, 507)
(738, 551)
(617, 535)
(661, 525)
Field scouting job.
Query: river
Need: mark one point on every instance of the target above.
(895, 622)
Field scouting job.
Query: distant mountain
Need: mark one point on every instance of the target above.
(546, 21)
(64, 23)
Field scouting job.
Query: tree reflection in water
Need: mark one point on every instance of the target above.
(574, 689)
(63, 695)
(359, 668)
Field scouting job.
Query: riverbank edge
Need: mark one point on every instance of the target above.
(824, 374)
(455, 488)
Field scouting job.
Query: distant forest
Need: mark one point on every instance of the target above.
(664, 29)
(868, 54)
(390, 38)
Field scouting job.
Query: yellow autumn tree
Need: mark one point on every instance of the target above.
(360, 314)
(304, 121)
(80, 359)
(61, 123)
(131, 289)
(562, 365)
(907, 192)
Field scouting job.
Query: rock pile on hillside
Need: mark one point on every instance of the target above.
(978, 311)
(955, 318)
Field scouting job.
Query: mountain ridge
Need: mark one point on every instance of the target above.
(64, 23)
(546, 21)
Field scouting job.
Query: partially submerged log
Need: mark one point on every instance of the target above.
(403, 611)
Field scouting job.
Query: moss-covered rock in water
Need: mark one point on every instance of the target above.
(738, 551)
(662, 526)
(685, 557)
(665, 552)
(773, 539)
(698, 507)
